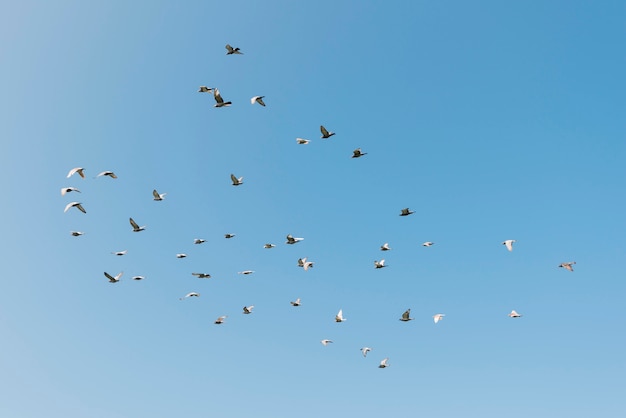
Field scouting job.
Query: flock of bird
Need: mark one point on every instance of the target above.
(304, 263)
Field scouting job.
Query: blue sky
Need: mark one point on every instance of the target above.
(491, 120)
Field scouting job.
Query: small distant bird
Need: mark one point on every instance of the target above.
(198, 241)
(406, 316)
(295, 302)
(77, 205)
(514, 314)
(325, 133)
(119, 252)
(76, 233)
(205, 89)
(509, 244)
(246, 272)
(219, 102)
(229, 236)
(138, 278)
(379, 264)
(68, 189)
(257, 99)
(107, 173)
(236, 181)
(438, 317)
(406, 212)
(113, 279)
(190, 295)
(230, 50)
(302, 262)
(268, 245)
(428, 244)
(201, 275)
(158, 196)
(221, 319)
(136, 227)
(248, 309)
(79, 170)
(302, 141)
(181, 255)
(365, 350)
(292, 240)
(357, 153)
(339, 317)
(325, 342)
(385, 247)
(568, 265)
(384, 363)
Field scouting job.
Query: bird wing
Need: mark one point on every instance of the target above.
(406, 314)
(323, 130)
(229, 48)
(156, 194)
(234, 179)
(217, 96)
(108, 276)
(133, 223)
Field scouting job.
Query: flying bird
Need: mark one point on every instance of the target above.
(384, 363)
(138, 278)
(357, 153)
(77, 205)
(248, 309)
(292, 240)
(406, 212)
(514, 314)
(136, 227)
(365, 350)
(339, 317)
(181, 255)
(229, 236)
(68, 189)
(302, 141)
(119, 252)
(302, 262)
(568, 265)
(79, 170)
(379, 264)
(438, 317)
(325, 133)
(158, 196)
(107, 173)
(221, 319)
(509, 244)
(428, 244)
(205, 89)
(230, 50)
(113, 279)
(219, 102)
(190, 295)
(295, 302)
(201, 275)
(268, 245)
(385, 247)
(325, 342)
(257, 99)
(406, 316)
(236, 181)
(76, 233)
(246, 272)
(198, 241)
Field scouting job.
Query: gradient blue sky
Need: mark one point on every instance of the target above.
(493, 120)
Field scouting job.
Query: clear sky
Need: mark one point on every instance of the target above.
(492, 120)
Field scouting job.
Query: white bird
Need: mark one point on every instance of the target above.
(385, 247)
(138, 278)
(292, 240)
(384, 363)
(228, 236)
(136, 227)
(406, 316)
(198, 241)
(365, 350)
(158, 196)
(190, 295)
(248, 309)
(509, 244)
(268, 245)
(221, 319)
(181, 255)
(113, 279)
(230, 50)
(219, 102)
(302, 141)
(339, 317)
(357, 153)
(514, 314)
(79, 170)
(295, 302)
(107, 173)
(236, 181)
(438, 317)
(69, 189)
(568, 265)
(325, 133)
(77, 205)
(406, 212)
(246, 272)
(325, 342)
(201, 275)
(119, 252)
(205, 89)
(428, 244)
(379, 264)
(302, 262)
(257, 99)
(76, 233)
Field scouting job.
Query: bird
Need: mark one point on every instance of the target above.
(201, 275)
(205, 89)
(302, 141)
(229, 236)
(438, 317)
(325, 342)
(357, 153)
(236, 181)
(295, 302)
(384, 363)
(231, 50)
(79, 170)
(509, 244)
(514, 314)
(120, 253)
(136, 227)
(292, 240)
(365, 350)
(325, 133)
(138, 278)
(257, 99)
(219, 102)
(379, 264)
(568, 265)
(248, 309)
(428, 244)
(181, 255)
(339, 317)
(76, 233)
(198, 241)
(385, 247)
(220, 320)
(268, 245)
(406, 316)
(305, 264)
(406, 212)
(158, 196)
(68, 189)
(246, 272)
(190, 295)
(107, 173)
(113, 279)
(77, 205)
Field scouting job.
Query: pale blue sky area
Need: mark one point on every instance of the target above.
(492, 120)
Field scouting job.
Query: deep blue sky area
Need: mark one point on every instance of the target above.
(491, 120)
